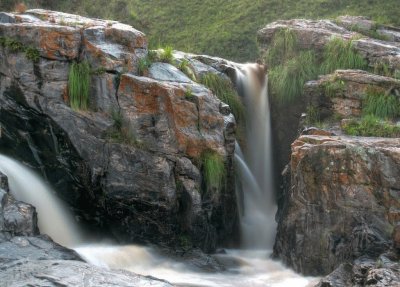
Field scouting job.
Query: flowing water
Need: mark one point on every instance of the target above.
(53, 218)
(251, 266)
(256, 184)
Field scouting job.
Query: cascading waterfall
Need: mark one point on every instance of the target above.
(255, 164)
(53, 218)
(256, 207)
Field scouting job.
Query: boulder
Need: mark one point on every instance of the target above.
(340, 202)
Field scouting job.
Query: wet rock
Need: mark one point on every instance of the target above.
(338, 201)
(16, 217)
(41, 273)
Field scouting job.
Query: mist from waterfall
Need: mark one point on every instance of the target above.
(254, 161)
(53, 217)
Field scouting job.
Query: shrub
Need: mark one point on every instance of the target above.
(224, 90)
(32, 54)
(99, 71)
(340, 54)
(283, 47)
(381, 105)
(78, 85)
(189, 94)
(167, 55)
(213, 169)
(143, 66)
(287, 80)
(371, 126)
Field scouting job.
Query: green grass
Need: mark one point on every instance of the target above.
(15, 46)
(334, 87)
(184, 67)
(340, 54)
(371, 126)
(283, 47)
(189, 94)
(381, 105)
(213, 170)
(144, 65)
(216, 27)
(166, 55)
(372, 33)
(78, 85)
(312, 116)
(224, 91)
(121, 131)
(287, 80)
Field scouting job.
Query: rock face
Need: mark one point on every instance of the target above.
(341, 201)
(142, 180)
(349, 89)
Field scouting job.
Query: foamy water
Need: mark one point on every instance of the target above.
(253, 268)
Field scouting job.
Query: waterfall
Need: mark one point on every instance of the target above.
(255, 163)
(53, 218)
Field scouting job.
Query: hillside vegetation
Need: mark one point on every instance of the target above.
(216, 27)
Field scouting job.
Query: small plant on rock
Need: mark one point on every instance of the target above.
(213, 170)
(143, 66)
(340, 54)
(78, 85)
(189, 94)
(384, 106)
(32, 54)
(167, 55)
(224, 91)
(371, 126)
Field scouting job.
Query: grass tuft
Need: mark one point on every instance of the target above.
(371, 126)
(167, 55)
(334, 87)
(121, 131)
(224, 91)
(144, 65)
(184, 67)
(340, 54)
(78, 85)
(283, 47)
(287, 80)
(213, 170)
(381, 105)
(32, 54)
(189, 94)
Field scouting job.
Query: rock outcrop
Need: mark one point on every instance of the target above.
(341, 201)
(132, 162)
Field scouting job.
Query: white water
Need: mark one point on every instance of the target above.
(258, 224)
(252, 268)
(53, 217)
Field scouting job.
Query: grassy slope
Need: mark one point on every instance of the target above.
(217, 27)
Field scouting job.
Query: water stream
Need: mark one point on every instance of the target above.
(252, 265)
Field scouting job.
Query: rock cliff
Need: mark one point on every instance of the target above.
(132, 161)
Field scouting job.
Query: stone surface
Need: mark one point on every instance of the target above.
(167, 72)
(44, 273)
(352, 87)
(340, 202)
